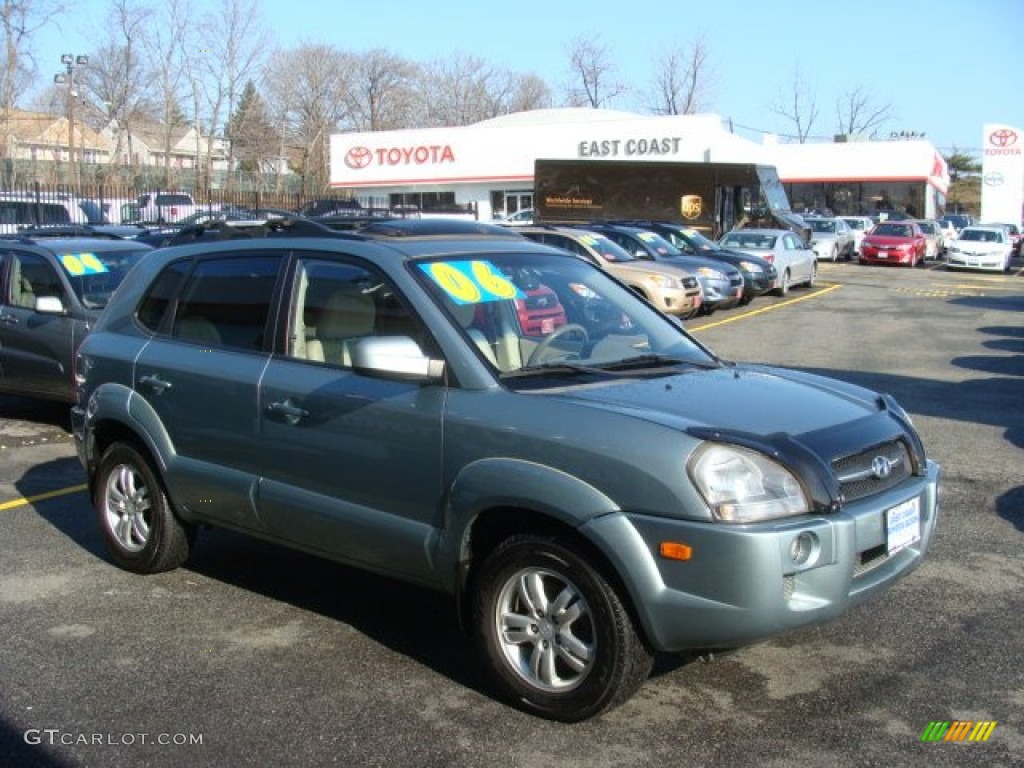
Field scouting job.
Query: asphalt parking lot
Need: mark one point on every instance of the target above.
(255, 655)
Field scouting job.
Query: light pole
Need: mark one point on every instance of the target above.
(70, 62)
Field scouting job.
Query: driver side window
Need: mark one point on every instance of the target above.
(33, 277)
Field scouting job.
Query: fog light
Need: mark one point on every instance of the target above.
(803, 549)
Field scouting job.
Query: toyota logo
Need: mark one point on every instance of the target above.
(881, 467)
(993, 179)
(358, 157)
(1004, 137)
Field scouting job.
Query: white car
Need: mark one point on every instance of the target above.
(522, 218)
(949, 233)
(980, 248)
(859, 226)
(831, 238)
(795, 263)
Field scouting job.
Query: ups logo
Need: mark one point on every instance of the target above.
(690, 206)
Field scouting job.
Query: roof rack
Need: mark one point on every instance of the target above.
(64, 230)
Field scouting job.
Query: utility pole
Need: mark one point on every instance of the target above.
(70, 62)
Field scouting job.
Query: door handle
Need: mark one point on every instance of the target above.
(292, 413)
(155, 383)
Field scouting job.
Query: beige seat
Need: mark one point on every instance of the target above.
(465, 315)
(348, 315)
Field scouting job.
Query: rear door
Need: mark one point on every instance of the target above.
(200, 374)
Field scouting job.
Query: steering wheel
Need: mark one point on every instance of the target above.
(538, 354)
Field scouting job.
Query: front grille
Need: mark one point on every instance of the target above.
(736, 281)
(872, 471)
(689, 282)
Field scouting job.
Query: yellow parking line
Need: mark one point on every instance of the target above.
(769, 308)
(42, 496)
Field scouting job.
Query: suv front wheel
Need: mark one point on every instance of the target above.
(140, 528)
(554, 631)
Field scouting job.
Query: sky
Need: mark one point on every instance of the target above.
(945, 68)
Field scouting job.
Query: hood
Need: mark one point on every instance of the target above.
(888, 239)
(746, 398)
(640, 269)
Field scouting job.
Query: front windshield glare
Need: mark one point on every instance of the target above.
(526, 312)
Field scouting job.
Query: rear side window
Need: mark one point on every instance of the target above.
(226, 302)
(161, 294)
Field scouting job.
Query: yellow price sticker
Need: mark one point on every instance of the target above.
(471, 282)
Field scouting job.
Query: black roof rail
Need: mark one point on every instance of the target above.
(72, 230)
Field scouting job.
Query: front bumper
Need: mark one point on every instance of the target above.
(993, 261)
(875, 256)
(741, 585)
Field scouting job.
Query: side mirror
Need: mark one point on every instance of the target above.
(397, 357)
(49, 305)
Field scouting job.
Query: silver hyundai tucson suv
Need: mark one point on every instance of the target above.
(590, 492)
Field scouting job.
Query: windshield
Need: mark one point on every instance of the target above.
(822, 225)
(749, 241)
(981, 235)
(609, 250)
(892, 230)
(658, 246)
(856, 223)
(95, 274)
(537, 316)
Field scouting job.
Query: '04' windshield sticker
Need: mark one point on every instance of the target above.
(471, 282)
(82, 264)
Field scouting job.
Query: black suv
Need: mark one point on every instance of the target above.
(53, 286)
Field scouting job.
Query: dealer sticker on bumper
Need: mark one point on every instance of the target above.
(903, 525)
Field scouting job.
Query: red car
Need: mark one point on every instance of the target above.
(894, 242)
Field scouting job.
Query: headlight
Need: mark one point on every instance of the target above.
(750, 267)
(744, 486)
(663, 280)
(711, 274)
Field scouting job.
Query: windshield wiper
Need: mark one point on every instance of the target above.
(553, 369)
(656, 361)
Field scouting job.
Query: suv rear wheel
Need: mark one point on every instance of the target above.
(554, 632)
(140, 528)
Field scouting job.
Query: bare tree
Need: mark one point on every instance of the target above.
(528, 92)
(221, 69)
(165, 42)
(20, 20)
(383, 93)
(681, 80)
(593, 75)
(308, 88)
(857, 114)
(799, 106)
(116, 79)
(459, 90)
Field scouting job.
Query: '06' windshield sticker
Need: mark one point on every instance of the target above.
(471, 282)
(82, 264)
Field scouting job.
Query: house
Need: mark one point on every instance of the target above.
(38, 136)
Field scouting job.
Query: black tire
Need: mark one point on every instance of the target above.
(566, 669)
(140, 528)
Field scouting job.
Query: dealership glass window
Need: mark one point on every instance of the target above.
(423, 201)
(860, 198)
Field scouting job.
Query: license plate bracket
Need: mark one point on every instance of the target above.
(902, 525)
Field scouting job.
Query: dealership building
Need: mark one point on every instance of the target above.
(488, 167)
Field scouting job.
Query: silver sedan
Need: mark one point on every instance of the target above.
(794, 261)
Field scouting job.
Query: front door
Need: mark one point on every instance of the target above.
(351, 463)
